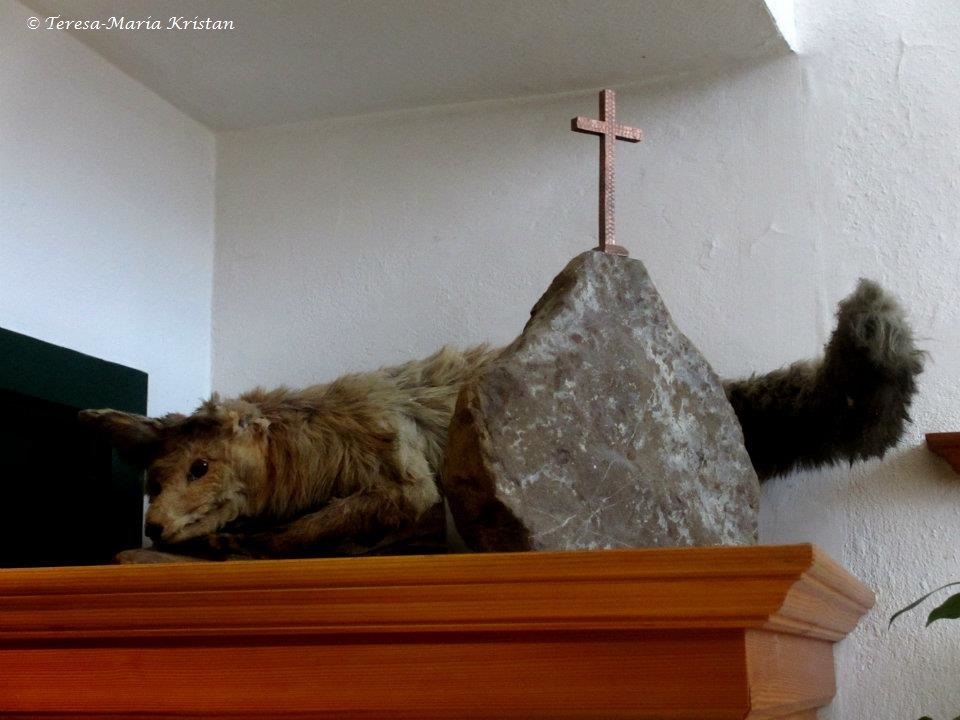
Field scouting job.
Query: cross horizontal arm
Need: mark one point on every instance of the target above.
(599, 127)
(630, 134)
(589, 125)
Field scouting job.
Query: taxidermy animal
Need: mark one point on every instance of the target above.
(346, 467)
(351, 466)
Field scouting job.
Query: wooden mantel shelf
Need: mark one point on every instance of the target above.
(947, 446)
(709, 633)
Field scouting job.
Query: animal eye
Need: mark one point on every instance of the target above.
(198, 469)
(153, 488)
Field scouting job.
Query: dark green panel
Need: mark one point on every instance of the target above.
(69, 500)
(39, 369)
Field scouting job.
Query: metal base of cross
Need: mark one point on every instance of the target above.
(613, 249)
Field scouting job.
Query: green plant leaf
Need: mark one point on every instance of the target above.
(912, 605)
(949, 609)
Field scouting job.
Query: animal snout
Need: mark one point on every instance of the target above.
(153, 531)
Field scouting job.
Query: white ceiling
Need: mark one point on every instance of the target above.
(295, 60)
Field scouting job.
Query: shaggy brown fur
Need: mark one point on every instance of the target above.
(851, 405)
(344, 465)
(351, 466)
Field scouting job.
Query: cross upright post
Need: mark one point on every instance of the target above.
(609, 131)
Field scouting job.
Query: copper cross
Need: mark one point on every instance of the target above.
(608, 130)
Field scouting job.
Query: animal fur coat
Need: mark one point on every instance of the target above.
(350, 467)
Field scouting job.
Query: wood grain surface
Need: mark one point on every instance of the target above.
(947, 446)
(661, 633)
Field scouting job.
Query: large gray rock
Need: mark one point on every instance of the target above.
(600, 426)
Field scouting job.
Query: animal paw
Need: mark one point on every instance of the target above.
(225, 542)
(242, 545)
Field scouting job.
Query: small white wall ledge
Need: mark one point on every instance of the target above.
(782, 12)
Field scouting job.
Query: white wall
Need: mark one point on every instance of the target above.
(880, 108)
(106, 213)
(350, 243)
(758, 198)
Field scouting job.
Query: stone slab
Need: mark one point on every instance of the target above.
(600, 426)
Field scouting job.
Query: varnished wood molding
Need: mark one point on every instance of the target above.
(947, 446)
(678, 633)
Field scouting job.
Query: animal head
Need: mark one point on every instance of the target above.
(203, 470)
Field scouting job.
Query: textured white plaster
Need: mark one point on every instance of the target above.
(106, 213)
(354, 242)
(881, 111)
(758, 197)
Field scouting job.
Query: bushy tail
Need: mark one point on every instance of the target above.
(851, 405)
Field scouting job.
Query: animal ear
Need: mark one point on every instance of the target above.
(137, 438)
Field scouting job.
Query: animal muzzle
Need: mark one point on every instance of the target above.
(153, 531)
